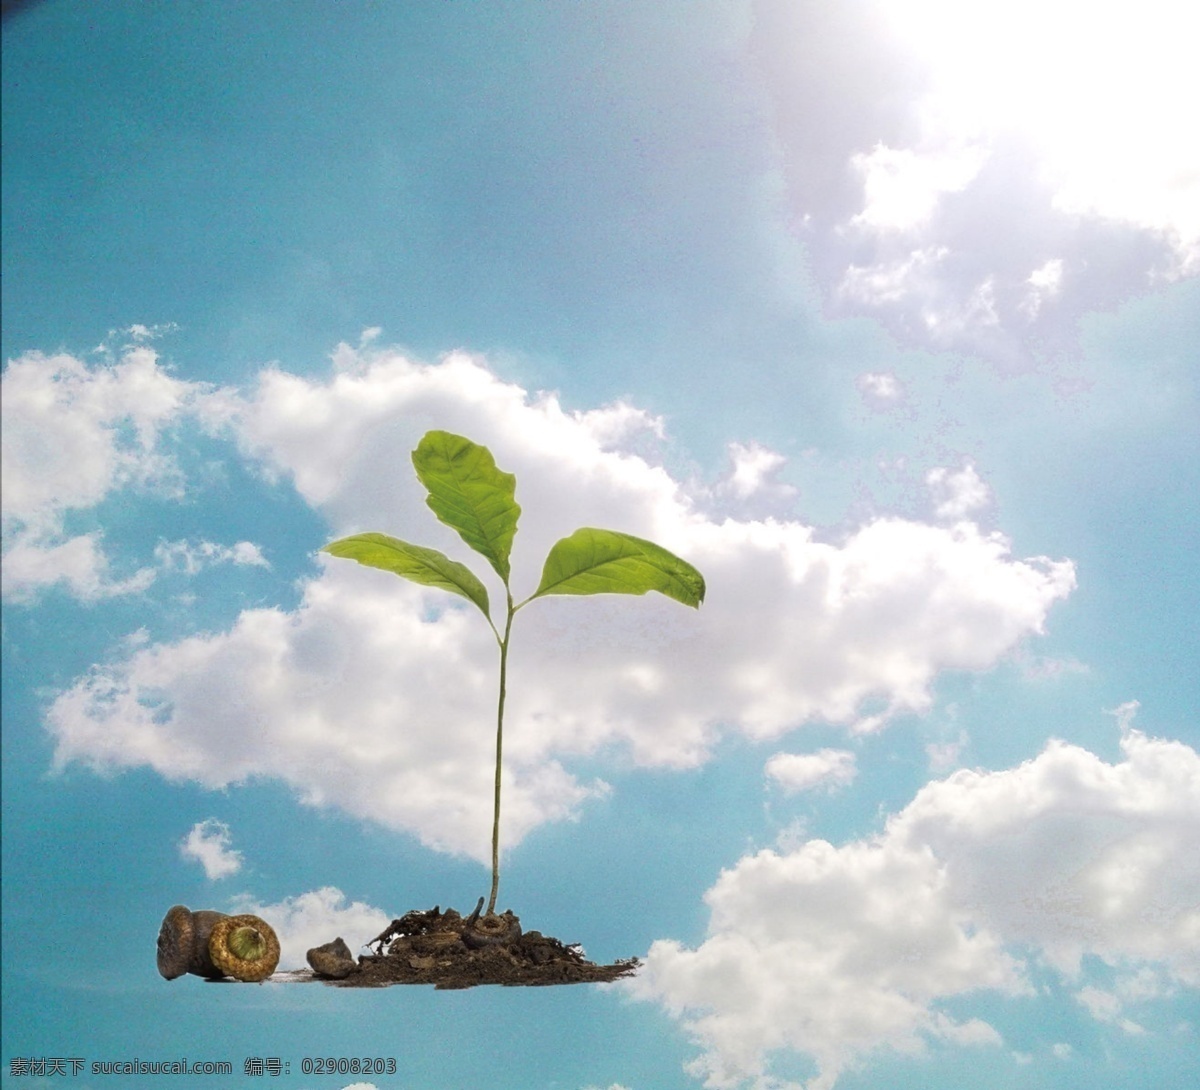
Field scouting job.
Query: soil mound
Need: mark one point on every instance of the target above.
(448, 950)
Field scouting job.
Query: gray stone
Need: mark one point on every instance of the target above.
(333, 960)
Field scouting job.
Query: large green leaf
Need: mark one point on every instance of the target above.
(425, 566)
(469, 494)
(607, 562)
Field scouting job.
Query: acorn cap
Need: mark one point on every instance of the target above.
(244, 947)
(183, 942)
(175, 939)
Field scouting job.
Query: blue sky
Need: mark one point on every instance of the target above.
(895, 341)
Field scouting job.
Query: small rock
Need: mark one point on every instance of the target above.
(333, 960)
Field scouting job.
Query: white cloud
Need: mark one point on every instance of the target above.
(828, 768)
(72, 435)
(1142, 984)
(1081, 856)
(313, 919)
(949, 199)
(945, 755)
(192, 558)
(76, 433)
(1048, 668)
(957, 494)
(375, 695)
(753, 467)
(368, 697)
(895, 279)
(902, 187)
(1109, 148)
(1125, 714)
(924, 300)
(826, 951)
(1106, 1006)
(834, 952)
(880, 389)
(78, 563)
(613, 426)
(208, 844)
(137, 333)
(1044, 282)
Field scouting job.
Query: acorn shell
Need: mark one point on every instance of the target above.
(183, 942)
(175, 941)
(244, 947)
(492, 930)
(204, 920)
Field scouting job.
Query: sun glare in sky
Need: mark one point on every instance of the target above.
(1102, 92)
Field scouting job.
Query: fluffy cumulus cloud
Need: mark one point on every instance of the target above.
(972, 174)
(827, 768)
(79, 563)
(374, 695)
(208, 843)
(313, 919)
(73, 434)
(957, 494)
(834, 952)
(754, 466)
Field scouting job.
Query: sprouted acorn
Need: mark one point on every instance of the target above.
(490, 930)
(244, 947)
(213, 945)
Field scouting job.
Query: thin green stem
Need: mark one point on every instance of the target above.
(491, 908)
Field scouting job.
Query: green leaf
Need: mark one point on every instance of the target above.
(425, 566)
(607, 562)
(469, 494)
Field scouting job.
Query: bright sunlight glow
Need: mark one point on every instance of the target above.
(1104, 91)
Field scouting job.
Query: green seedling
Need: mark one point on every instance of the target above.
(472, 496)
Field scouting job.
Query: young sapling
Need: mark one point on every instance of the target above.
(472, 496)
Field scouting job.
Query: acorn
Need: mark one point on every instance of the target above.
(213, 945)
(491, 930)
(244, 947)
(183, 943)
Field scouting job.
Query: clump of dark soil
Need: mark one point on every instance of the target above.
(448, 950)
